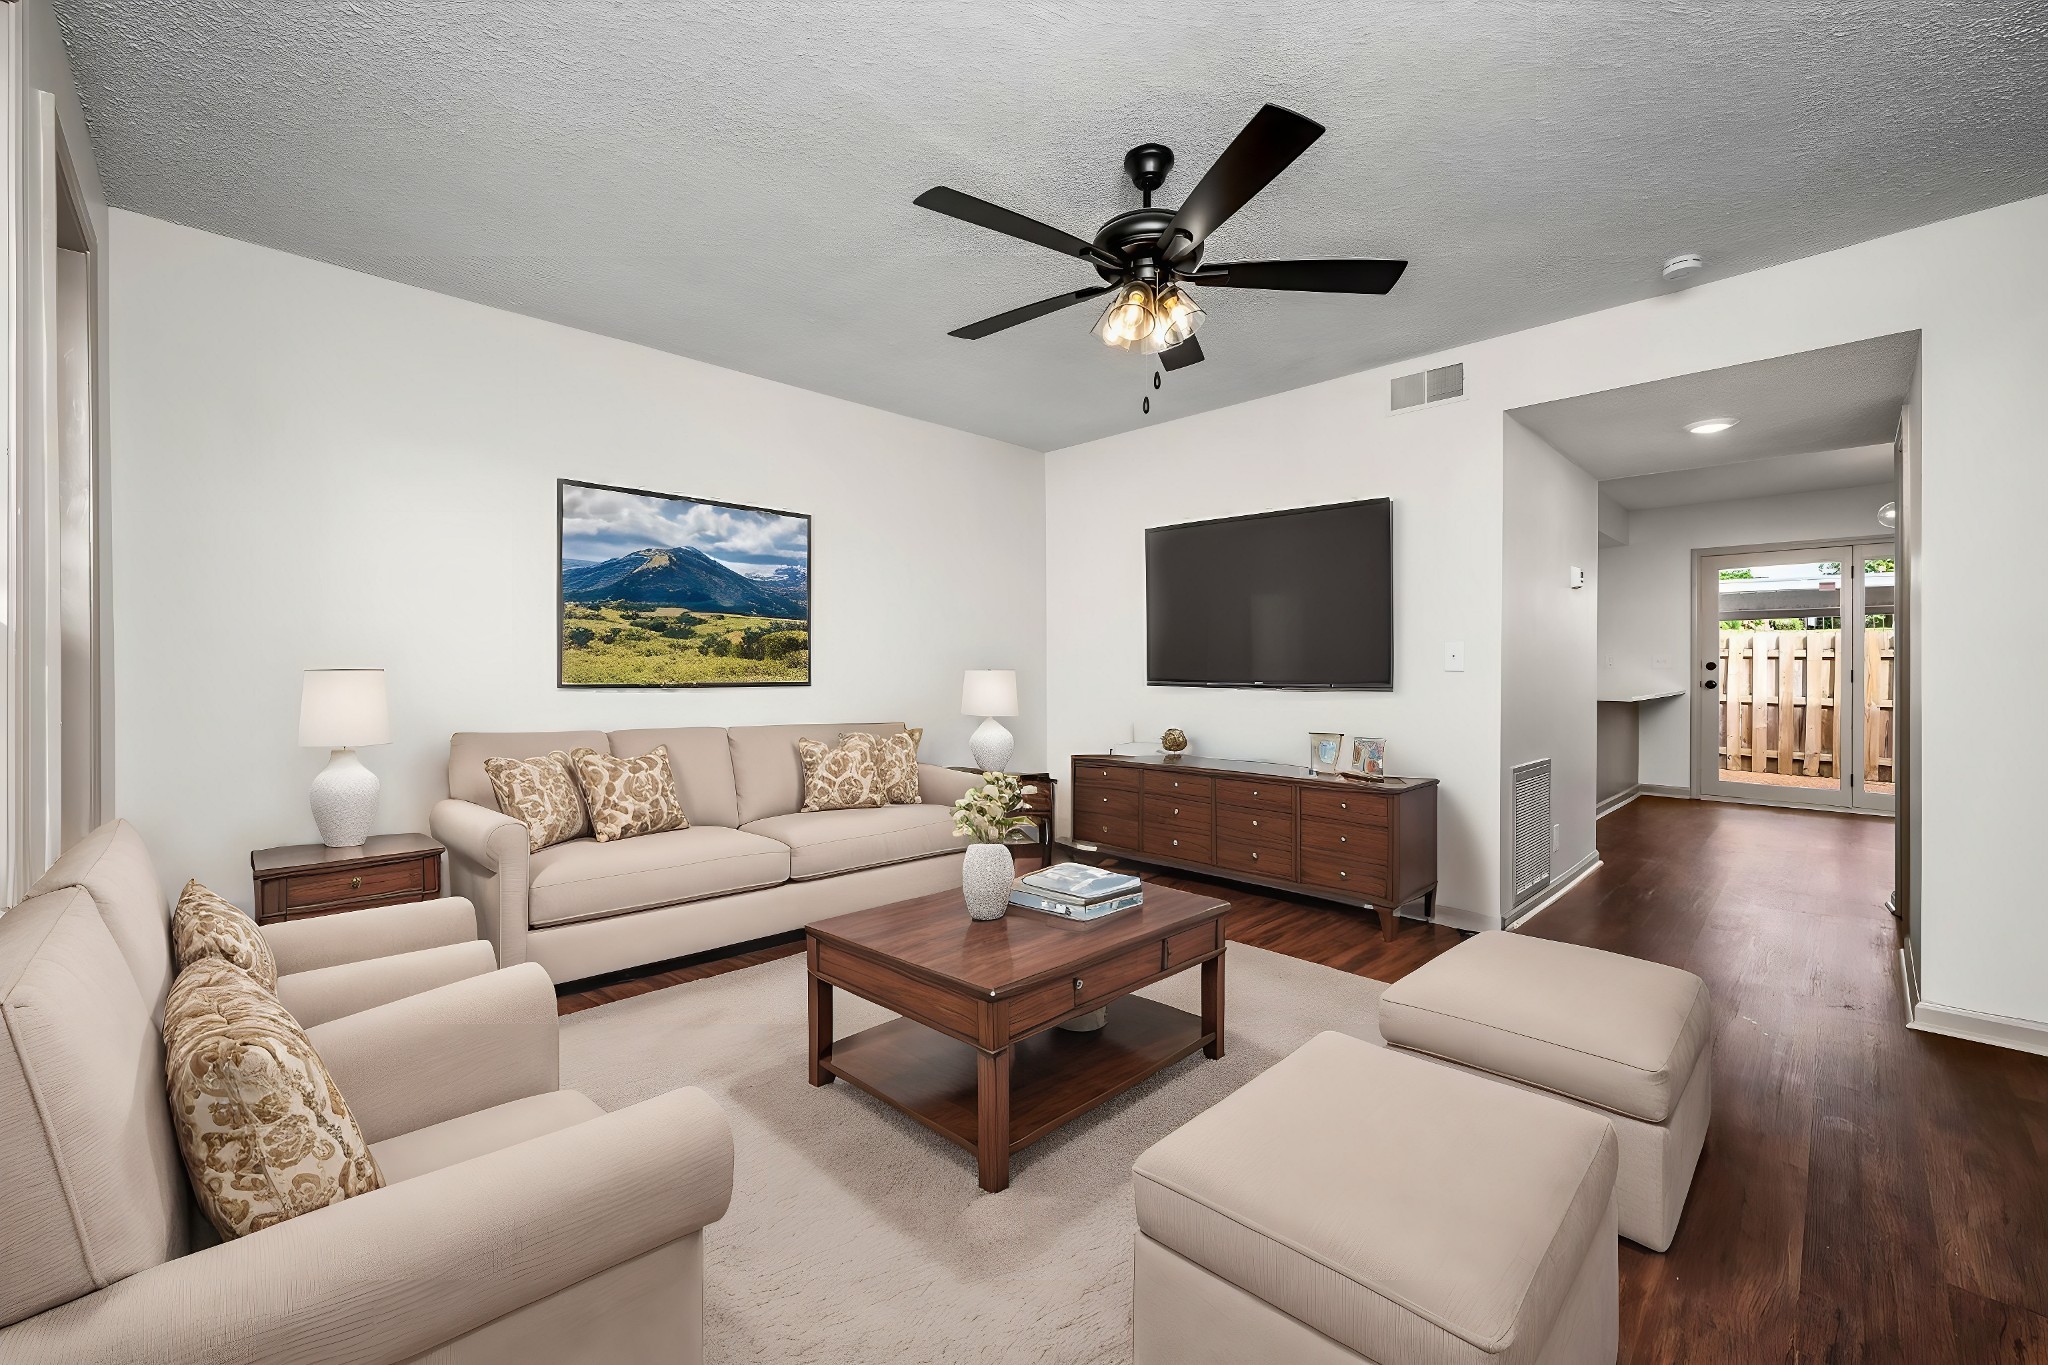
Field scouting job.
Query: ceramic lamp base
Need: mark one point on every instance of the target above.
(345, 800)
(991, 744)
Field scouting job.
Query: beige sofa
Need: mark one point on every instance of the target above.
(519, 1221)
(751, 864)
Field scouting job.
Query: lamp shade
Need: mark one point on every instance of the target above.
(989, 692)
(344, 708)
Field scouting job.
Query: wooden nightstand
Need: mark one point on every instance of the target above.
(312, 879)
(1038, 805)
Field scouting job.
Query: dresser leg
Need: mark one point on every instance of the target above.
(1386, 914)
(992, 1121)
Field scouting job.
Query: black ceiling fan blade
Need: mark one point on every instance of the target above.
(1179, 357)
(1265, 147)
(996, 218)
(1315, 277)
(975, 331)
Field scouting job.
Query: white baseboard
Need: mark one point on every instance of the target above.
(1675, 793)
(1557, 889)
(1617, 801)
(1953, 1021)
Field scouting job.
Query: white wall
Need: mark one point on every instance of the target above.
(1333, 442)
(1548, 636)
(1975, 287)
(1646, 598)
(315, 468)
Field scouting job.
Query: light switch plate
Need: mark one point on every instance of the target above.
(1454, 656)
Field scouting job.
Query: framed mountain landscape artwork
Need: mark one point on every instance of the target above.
(658, 590)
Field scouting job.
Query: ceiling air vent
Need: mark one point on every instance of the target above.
(1439, 385)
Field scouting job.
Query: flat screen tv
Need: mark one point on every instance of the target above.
(1295, 599)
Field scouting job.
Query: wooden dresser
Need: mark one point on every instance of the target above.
(1369, 844)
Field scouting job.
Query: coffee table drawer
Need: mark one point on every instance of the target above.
(1190, 944)
(1085, 990)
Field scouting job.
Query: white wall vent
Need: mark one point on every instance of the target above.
(1529, 813)
(1424, 387)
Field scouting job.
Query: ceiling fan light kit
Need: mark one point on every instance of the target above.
(1146, 256)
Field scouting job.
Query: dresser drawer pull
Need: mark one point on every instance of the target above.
(1255, 857)
(1176, 786)
(1255, 791)
(355, 883)
(1343, 838)
(1345, 875)
(1105, 800)
(1176, 843)
(1255, 824)
(1176, 810)
(1343, 805)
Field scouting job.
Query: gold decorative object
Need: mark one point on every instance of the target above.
(1174, 741)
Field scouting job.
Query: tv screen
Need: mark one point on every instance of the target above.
(1301, 599)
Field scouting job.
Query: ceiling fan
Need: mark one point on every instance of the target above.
(1149, 255)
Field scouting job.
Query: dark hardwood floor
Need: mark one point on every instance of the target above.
(1868, 1193)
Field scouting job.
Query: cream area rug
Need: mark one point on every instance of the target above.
(857, 1236)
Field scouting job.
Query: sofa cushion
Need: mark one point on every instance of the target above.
(700, 758)
(264, 1129)
(467, 780)
(628, 797)
(896, 762)
(584, 879)
(828, 841)
(541, 793)
(841, 776)
(1302, 1188)
(114, 868)
(768, 775)
(92, 1185)
(1611, 1030)
(204, 925)
(481, 1133)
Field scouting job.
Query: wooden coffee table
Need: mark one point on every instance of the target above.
(975, 1057)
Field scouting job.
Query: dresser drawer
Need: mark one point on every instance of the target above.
(1259, 827)
(1178, 784)
(1106, 774)
(1367, 843)
(1262, 860)
(347, 884)
(1085, 990)
(1118, 831)
(1344, 872)
(1177, 813)
(1267, 796)
(1092, 799)
(1354, 808)
(1187, 845)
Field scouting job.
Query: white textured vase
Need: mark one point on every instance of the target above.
(991, 744)
(985, 880)
(344, 800)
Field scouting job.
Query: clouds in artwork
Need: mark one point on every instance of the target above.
(600, 523)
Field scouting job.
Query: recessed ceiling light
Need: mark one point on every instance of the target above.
(1708, 426)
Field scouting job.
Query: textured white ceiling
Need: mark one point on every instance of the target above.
(731, 180)
(1828, 399)
(1811, 472)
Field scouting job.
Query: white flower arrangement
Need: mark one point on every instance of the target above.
(988, 814)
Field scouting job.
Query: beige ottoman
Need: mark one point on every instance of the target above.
(1352, 1204)
(1625, 1038)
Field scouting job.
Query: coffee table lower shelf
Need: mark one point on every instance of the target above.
(1055, 1076)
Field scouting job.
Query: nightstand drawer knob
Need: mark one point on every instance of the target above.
(355, 883)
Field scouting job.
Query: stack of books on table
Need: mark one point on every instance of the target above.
(1075, 891)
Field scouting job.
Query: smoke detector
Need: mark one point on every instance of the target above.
(1680, 266)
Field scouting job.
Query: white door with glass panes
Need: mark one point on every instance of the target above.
(1793, 676)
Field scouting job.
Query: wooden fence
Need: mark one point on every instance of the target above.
(1782, 698)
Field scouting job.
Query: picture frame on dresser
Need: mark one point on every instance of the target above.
(1275, 825)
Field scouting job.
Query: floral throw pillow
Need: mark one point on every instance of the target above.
(896, 762)
(204, 925)
(264, 1131)
(841, 776)
(629, 796)
(542, 794)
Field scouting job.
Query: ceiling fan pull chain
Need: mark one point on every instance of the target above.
(1148, 402)
(1155, 379)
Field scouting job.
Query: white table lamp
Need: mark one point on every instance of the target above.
(988, 693)
(343, 709)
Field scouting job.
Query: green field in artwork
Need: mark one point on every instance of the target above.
(617, 644)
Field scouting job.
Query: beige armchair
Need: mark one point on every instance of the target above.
(519, 1221)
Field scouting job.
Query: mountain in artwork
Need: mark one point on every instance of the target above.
(661, 576)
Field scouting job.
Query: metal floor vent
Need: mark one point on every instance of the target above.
(1529, 809)
(1439, 385)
